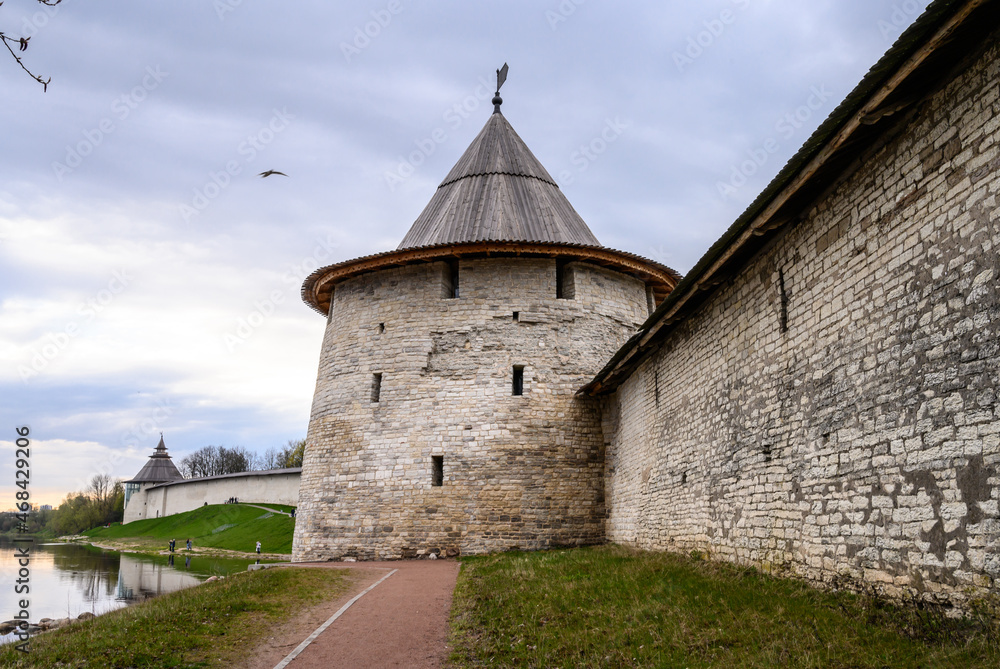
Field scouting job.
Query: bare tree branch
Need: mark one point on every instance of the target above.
(22, 46)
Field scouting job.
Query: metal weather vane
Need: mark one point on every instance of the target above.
(501, 77)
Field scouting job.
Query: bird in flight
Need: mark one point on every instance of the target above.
(270, 172)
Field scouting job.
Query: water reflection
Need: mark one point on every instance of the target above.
(69, 579)
(140, 579)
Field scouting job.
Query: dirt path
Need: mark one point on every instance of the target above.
(401, 622)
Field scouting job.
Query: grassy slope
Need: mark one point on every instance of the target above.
(211, 625)
(614, 607)
(248, 527)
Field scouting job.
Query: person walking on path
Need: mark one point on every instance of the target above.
(258, 548)
(172, 543)
(189, 544)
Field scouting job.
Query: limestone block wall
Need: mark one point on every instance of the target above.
(276, 487)
(524, 471)
(835, 409)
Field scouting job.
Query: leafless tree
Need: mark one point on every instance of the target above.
(22, 45)
(216, 460)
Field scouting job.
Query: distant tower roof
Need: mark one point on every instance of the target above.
(498, 191)
(159, 468)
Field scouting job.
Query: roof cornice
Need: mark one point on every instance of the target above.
(318, 286)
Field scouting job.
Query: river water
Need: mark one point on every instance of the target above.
(66, 580)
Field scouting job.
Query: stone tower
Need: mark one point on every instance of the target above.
(446, 416)
(160, 468)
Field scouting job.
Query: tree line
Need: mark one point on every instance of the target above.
(101, 503)
(217, 460)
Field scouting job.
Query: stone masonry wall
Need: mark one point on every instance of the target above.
(860, 439)
(188, 495)
(518, 471)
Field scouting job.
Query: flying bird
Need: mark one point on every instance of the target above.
(270, 172)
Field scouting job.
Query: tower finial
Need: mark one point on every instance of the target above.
(501, 77)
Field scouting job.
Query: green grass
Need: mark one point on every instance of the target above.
(615, 607)
(242, 527)
(277, 507)
(211, 625)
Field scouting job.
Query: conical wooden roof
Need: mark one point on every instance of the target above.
(159, 468)
(498, 191)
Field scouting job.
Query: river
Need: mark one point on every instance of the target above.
(65, 580)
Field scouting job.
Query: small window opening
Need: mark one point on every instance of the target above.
(449, 281)
(437, 470)
(381, 328)
(565, 284)
(329, 313)
(517, 316)
(517, 387)
(650, 299)
(376, 386)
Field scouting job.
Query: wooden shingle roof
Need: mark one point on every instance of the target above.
(159, 468)
(498, 191)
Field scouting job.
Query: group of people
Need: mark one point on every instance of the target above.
(233, 500)
(173, 543)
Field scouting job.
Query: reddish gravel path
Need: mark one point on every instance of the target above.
(401, 622)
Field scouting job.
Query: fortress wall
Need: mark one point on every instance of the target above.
(864, 441)
(523, 471)
(193, 493)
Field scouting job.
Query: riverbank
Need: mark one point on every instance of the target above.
(147, 546)
(216, 624)
(226, 530)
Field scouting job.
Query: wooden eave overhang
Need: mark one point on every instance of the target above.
(939, 43)
(319, 286)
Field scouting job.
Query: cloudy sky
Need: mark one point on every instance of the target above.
(149, 279)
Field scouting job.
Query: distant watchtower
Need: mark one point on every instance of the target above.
(160, 468)
(445, 417)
